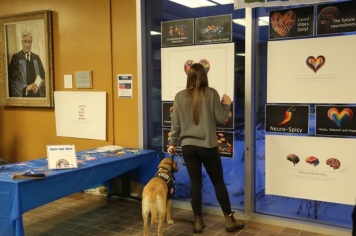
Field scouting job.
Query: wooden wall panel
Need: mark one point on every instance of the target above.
(96, 35)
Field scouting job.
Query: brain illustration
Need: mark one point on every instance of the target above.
(327, 14)
(293, 158)
(334, 163)
(312, 160)
(282, 24)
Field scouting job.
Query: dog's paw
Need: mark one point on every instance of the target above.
(170, 221)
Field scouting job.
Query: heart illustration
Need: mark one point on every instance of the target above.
(189, 63)
(340, 118)
(283, 23)
(315, 63)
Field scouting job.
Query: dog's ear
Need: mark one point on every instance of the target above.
(164, 162)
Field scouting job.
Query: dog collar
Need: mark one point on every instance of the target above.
(167, 178)
(164, 176)
(164, 168)
(169, 171)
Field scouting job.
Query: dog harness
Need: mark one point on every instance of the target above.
(169, 183)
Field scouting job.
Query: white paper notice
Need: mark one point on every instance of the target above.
(124, 86)
(68, 81)
(80, 114)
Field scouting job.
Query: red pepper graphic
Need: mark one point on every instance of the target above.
(287, 116)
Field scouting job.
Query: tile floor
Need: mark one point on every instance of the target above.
(87, 214)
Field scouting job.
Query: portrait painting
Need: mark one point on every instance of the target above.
(26, 77)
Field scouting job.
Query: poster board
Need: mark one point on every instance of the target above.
(81, 114)
(311, 70)
(314, 168)
(220, 58)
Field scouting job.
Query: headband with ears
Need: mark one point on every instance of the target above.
(189, 63)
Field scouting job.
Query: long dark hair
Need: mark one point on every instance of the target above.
(197, 81)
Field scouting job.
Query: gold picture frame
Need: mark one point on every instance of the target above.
(26, 60)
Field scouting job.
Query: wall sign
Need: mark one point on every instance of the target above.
(336, 18)
(291, 23)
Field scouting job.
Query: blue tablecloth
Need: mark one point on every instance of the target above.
(20, 196)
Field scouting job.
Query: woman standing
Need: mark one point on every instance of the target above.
(196, 110)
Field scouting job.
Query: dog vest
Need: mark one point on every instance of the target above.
(169, 183)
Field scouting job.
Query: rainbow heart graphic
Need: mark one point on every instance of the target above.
(315, 63)
(189, 63)
(338, 117)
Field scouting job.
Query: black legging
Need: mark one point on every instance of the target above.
(194, 157)
(353, 217)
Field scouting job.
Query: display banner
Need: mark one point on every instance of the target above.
(336, 18)
(335, 120)
(291, 23)
(314, 168)
(239, 4)
(214, 29)
(177, 33)
(287, 119)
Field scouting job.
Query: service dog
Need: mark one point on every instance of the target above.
(157, 196)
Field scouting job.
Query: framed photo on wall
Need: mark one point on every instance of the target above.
(26, 60)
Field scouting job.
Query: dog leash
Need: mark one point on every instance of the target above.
(180, 157)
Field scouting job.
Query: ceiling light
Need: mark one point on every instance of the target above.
(242, 54)
(194, 3)
(155, 33)
(239, 21)
(223, 2)
(262, 21)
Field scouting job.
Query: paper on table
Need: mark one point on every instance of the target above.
(108, 148)
(38, 82)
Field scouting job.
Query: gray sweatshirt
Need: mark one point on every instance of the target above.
(182, 123)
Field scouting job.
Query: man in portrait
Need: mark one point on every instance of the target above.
(26, 72)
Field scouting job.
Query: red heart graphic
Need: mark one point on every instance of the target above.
(189, 63)
(315, 64)
(282, 24)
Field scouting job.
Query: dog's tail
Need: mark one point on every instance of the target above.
(153, 209)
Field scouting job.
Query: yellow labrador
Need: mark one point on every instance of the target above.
(157, 196)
